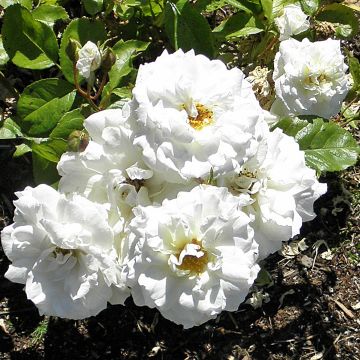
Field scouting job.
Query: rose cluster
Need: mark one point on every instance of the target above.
(178, 195)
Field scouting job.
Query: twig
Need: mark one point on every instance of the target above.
(101, 87)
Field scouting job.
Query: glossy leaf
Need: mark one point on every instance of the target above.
(237, 25)
(29, 43)
(92, 7)
(43, 103)
(327, 146)
(72, 120)
(125, 52)
(187, 29)
(21, 150)
(310, 6)
(24, 3)
(49, 14)
(10, 129)
(344, 18)
(50, 150)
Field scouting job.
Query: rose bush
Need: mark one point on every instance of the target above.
(172, 179)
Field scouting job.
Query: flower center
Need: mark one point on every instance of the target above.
(66, 253)
(193, 257)
(63, 252)
(313, 80)
(204, 117)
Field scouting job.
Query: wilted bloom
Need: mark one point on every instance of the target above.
(89, 59)
(282, 187)
(192, 257)
(192, 114)
(310, 78)
(292, 21)
(61, 248)
(263, 86)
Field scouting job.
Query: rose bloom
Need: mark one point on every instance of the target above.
(89, 59)
(192, 114)
(192, 257)
(292, 21)
(110, 169)
(310, 78)
(282, 187)
(61, 248)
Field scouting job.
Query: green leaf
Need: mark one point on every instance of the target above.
(49, 14)
(201, 5)
(7, 3)
(188, 29)
(10, 130)
(347, 24)
(264, 278)
(250, 6)
(50, 150)
(29, 43)
(267, 6)
(310, 6)
(125, 52)
(44, 171)
(4, 57)
(43, 103)
(123, 93)
(327, 146)
(92, 7)
(21, 150)
(237, 25)
(82, 30)
(354, 67)
(72, 120)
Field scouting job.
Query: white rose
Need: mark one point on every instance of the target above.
(192, 257)
(89, 59)
(110, 170)
(62, 250)
(309, 78)
(291, 22)
(192, 114)
(282, 187)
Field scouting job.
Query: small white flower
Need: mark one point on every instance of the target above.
(89, 59)
(282, 187)
(62, 250)
(292, 22)
(192, 114)
(310, 78)
(192, 257)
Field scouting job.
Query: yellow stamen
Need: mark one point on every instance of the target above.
(195, 265)
(203, 118)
